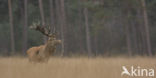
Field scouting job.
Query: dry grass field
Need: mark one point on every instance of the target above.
(17, 67)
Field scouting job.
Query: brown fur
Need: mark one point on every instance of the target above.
(33, 53)
(42, 53)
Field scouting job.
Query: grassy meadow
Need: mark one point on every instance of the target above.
(80, 67)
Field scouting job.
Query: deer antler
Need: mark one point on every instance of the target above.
(43, 30)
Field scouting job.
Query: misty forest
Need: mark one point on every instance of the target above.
(86, 27)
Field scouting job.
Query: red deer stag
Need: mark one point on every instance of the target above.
(42, 53)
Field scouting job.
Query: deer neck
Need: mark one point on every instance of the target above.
(49, 48)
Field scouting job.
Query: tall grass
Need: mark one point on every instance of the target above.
(18, 67)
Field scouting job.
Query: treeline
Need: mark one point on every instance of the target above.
(86, 27)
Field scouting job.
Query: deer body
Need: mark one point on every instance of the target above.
(33, 53)
(42, 53)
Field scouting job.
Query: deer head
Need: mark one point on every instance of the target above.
(47, 32)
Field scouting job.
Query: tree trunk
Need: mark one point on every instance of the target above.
(58, 23)
(127, 11)
(134, 35)
(110, 38)
(129, 48)
(42, 18)
(52, 20)
(145, 16)
(80, 29)
(142, 49)
(96, 44)
(87, 32)
(128, 38)
(11, 27)
(63, 25)
(25, 28)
